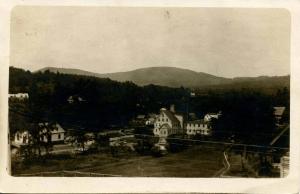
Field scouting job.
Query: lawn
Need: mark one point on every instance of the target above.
(195, 161)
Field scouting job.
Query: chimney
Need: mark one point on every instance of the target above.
(172, 108)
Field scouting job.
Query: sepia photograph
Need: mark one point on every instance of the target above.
(149, 92)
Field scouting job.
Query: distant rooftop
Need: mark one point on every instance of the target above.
(279, 110)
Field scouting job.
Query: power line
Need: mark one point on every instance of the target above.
(218, 142)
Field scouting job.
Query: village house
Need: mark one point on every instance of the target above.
(139, 120)
(168, 122)
(57, 133)
(284, 165)
(19, 96)
(151, 119)
(278, 113)
(23, 137)
(200, 127)
(209, 116)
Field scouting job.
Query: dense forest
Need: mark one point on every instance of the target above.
(105, 103)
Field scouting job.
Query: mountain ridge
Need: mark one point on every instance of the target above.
(171, 77)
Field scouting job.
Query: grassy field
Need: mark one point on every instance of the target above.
(192, 162)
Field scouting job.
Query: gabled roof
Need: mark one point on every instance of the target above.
(141, 116)
(279, 110)
(170, 115)
(57, 129)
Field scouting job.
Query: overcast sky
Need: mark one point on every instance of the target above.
(222, 42)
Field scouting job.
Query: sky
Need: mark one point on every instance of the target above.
(220, 41)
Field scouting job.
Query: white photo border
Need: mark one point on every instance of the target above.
(289, 184)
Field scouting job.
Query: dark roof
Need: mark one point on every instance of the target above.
(152, 115)
(200, 121)
(170, 115)
(212, 113)
(141, 116)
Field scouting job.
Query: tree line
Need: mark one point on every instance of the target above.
(105, 103)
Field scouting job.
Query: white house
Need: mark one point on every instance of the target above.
(198, 127)
(278, 112)
(19, 96)
(168, 123)
(24, 137)
(57, 134)
(21, 138)
(209, 116)
(151, 119)
(284, 165)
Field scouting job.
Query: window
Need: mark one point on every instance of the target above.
(163, 120)
(59, 136)
(18, 136)
(167, 119)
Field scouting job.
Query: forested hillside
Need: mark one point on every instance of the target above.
(107, 103)
(177, 77)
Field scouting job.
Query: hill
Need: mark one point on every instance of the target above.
(164, 76)
(177, 77)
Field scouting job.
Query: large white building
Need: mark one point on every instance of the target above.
(168, 123)
(200, 127)
(19, 96)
